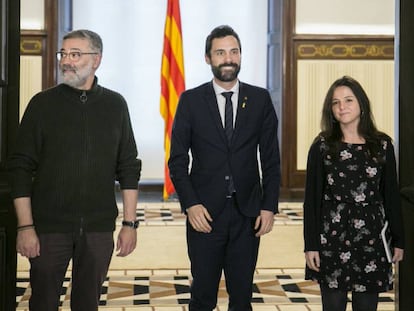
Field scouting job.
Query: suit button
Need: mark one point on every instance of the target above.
(226, 177)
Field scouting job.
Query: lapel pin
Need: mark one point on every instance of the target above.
(244, 102)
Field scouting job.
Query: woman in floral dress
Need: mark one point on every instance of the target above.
(351, 190)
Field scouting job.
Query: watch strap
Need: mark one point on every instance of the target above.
(132, 224)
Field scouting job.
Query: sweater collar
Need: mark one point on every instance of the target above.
(81, 95)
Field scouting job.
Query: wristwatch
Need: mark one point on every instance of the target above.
(132, 224)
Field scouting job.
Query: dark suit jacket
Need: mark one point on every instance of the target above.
(198, 128)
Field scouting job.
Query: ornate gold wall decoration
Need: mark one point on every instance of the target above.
(31, 46)
(32, 42)
(345, 50)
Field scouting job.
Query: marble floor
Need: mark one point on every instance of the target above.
(156, 276)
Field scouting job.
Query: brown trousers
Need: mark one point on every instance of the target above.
(90, 253)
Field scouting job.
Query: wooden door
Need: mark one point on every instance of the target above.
(9, 105)
(406, 151)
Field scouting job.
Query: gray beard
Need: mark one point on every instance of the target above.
(75, 81)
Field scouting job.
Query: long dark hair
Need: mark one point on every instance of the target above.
(330, 128)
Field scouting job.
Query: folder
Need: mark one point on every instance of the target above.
(386, 240)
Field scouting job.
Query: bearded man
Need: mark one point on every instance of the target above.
(229, 202)
(75, 140)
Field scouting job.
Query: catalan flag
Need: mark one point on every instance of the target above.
(172, 81)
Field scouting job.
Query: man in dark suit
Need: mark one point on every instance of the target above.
(229, 200)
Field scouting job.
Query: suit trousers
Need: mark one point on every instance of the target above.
(91, 254)
(231, 247)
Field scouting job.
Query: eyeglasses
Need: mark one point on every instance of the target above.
(73, 56)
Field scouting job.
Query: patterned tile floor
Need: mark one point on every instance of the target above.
(160, 213)
(274, 289)
(281, 289)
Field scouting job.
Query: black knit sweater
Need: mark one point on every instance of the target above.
(72, 145)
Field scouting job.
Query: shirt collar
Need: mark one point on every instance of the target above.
(218, 89)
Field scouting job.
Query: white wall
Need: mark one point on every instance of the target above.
(372, 17)
(32, 14)
(132, 33)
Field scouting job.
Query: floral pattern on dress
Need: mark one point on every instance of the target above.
(352, 255)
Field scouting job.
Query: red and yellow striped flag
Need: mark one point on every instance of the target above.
(172, 81)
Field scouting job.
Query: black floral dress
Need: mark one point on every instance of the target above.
(351, 217)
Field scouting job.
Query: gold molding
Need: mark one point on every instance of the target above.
(32, 42)
(345, 50)
(32, 46)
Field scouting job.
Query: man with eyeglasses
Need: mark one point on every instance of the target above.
(75, 140)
